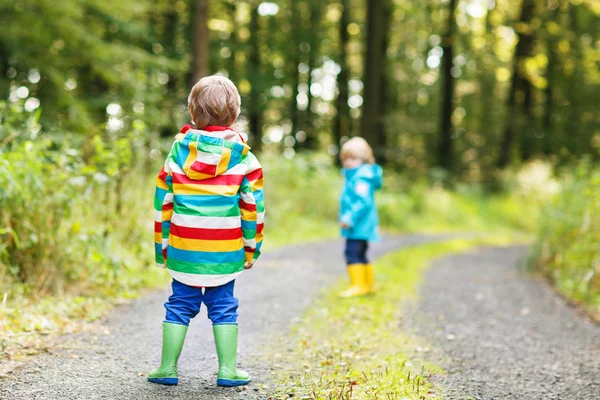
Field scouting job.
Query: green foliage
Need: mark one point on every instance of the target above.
(78, 56)
(567, 241)
(301, 196)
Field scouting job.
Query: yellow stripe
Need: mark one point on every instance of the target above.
(157, 237)
(248, 215)
(205, 245)
(258, 184)
(224, 163)
(224, 190)
(167, 215)
(161, 184)
(191, 157)
(198, 176)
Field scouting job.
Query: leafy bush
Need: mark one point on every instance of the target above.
(301, 198)
(64, 215)
(567, 248)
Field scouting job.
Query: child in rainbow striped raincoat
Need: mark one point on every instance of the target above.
(209, 214)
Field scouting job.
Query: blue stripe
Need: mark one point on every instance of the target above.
(182, 153)
(166, 228)
(249, 225)
(205, 200)
(259, 195)
(160, 193)
(203, 257)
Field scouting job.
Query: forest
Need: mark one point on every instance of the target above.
(484, 114)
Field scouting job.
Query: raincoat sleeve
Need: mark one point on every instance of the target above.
(252, 208)
(163, 211)
(360, 200)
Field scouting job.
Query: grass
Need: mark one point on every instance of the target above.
(353, 348)
(566, 248)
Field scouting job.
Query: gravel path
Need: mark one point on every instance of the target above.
(108, 362)
(502, 334)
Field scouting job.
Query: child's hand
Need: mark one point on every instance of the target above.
(248, 265)
(344, 225)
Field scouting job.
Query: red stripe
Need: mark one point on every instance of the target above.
(260, 228)
(255, 175)
(157, 226)
(203, 168)
(185, 128)
(163, 174)
(247, 206)
(249, 250)
(226, 180)
(206, 234)
(168, 206)
(215, 128)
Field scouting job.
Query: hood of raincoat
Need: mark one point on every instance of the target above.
(369, 172)
(209, 152)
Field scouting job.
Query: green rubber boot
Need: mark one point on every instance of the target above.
(226, 337)
(173, 338)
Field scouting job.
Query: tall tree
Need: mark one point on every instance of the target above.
(296, 34)
(311, 141)
(445, 149)
(373, 113)
(547, 121)
(518, 91)
(254, 75)
(200, 40)
(341, 123)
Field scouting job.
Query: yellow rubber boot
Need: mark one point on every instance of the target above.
(356, 272)
(369, 278)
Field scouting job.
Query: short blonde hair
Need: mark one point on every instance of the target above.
(214, 100)
(357, 147)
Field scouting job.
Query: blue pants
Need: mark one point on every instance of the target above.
(356, 251)
(184, 304)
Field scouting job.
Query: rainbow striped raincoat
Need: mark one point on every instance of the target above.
(209, 208)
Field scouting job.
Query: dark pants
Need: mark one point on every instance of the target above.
(184, 303)
(356, 251)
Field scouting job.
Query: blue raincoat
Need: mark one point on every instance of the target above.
(357, 202)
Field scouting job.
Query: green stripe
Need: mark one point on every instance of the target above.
(208, 211)
(249, 234)
(205, 269)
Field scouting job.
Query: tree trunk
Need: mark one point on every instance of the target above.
(518, 82)
(375, 62)
(311, 141)
(445, 145)
(579, 139)
(169, 39)
(254, 70)
(295, 62)
(232, 69)
(487, 81)
(200, 40)
(549, 142)
(341, 124)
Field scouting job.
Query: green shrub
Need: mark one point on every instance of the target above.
(301, 197)
(568, 240)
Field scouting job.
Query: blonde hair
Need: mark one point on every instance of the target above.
(357, 147)
(214, 100)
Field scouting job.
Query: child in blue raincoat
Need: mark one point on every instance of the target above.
(358, 213)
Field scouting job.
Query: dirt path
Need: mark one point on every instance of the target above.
(108, 363)
(502, 334)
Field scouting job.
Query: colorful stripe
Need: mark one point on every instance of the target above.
(209, 207)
